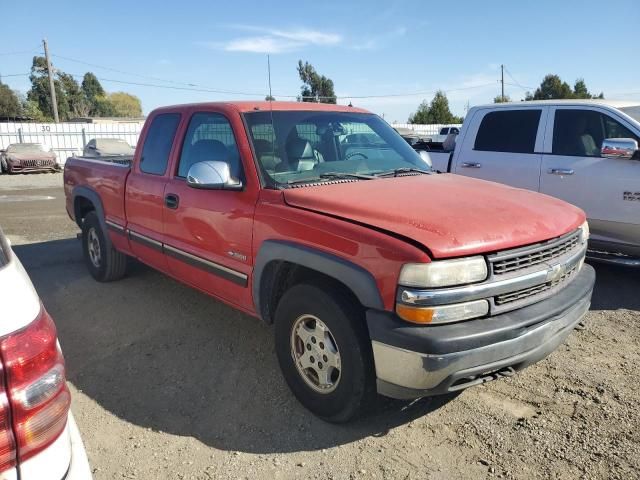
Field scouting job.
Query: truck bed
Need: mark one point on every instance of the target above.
(104, 176)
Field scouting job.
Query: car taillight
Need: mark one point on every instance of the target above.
(7, 440)
(35, 382)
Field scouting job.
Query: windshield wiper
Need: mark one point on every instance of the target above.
(332, 176)
(399, 171)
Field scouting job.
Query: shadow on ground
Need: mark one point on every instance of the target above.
(616, 287)
(163, 356)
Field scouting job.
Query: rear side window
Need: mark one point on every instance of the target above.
(158, 142)
(508, 131)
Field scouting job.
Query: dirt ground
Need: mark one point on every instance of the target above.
(168, 383)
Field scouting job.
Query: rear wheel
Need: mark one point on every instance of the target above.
(104, 262)
(324, 351)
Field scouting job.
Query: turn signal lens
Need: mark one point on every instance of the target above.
(443, 313)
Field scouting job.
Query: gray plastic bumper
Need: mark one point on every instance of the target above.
(416, 361)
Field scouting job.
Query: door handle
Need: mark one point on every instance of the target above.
(171, 200)
(560, 171)
(471, 165)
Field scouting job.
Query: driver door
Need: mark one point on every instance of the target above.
(208, 233)
(573, 170)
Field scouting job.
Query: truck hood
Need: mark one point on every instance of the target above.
(448, 214)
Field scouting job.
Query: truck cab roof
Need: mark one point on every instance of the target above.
(576, 102)
(249, 106)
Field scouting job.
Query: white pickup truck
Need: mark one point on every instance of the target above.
(582, 151)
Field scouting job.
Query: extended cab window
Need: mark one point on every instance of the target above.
(158, 142)
(580, 132)
(508, 131)
(210, 137)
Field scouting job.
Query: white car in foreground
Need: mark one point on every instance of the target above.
(39, 439)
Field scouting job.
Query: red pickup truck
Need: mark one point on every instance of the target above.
(379, 274)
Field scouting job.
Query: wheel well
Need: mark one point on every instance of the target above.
(278, 276)
(81, 207)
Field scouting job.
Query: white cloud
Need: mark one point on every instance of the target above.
(274, 41)
(374, 42)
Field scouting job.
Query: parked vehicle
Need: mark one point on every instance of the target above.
(39, 439)
(378, 274)
(584, 152)
(28, 157)
(108, 147)
(444, 133)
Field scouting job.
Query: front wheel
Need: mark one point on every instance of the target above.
(324, 351)
(104, 262)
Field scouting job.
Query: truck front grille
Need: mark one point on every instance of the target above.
(538, 290)
(520, 259)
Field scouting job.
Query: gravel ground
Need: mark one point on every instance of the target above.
(168, 383)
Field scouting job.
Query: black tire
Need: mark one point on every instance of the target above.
(111, 264)
(3, 166)
(356, 385)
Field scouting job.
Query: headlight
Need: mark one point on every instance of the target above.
(443, 273)
(442, 313)
(584, 235)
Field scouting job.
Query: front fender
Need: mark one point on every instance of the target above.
(360, 281)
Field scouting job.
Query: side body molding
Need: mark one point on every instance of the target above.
(359, 280)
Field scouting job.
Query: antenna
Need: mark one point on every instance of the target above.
(273, 127)
(269, 76)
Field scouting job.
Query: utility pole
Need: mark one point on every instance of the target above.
(502, 80)
(54, 100)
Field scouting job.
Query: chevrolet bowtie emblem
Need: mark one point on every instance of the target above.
(556, 272)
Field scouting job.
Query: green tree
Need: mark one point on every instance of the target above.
(92, 90)
(40, 92)
(125, 104)
(501, 99)
(435, 112)
(31, 111)
(315, 87)
(552, 87)
(580, 90)
(77, 103)
(9, 102)
(270, 98)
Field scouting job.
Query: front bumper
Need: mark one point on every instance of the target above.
(32, 166)
(414, 361)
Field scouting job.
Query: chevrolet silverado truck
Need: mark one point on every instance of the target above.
(379, 274)
(582, 151)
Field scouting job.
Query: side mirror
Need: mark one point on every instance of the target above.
(212, 175)
(624, 148)
(424, 155)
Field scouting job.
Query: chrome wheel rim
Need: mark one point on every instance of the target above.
(93, 247)
(315, 354)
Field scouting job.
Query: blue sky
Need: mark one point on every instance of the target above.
(399, 51)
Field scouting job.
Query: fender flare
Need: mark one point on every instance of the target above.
(359, 280)
(94, 198)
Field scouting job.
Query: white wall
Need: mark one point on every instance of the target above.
(67, 139)
(433, 129)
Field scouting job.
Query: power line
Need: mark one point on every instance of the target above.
(515, 82)
(22, 52)
(16, 74)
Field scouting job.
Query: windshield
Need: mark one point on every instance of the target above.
(633, 112)
(306, 146)
(26, 148)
